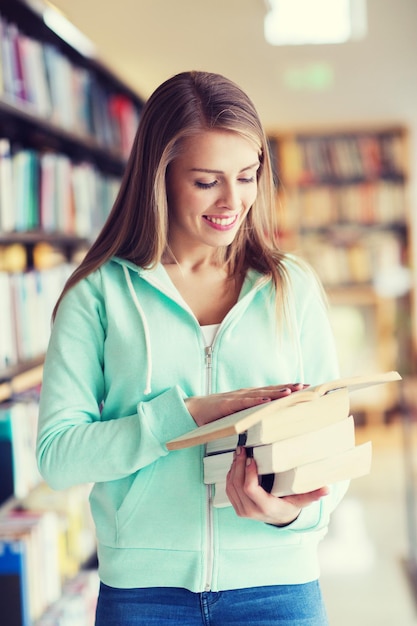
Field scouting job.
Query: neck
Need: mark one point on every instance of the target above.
(189, 263)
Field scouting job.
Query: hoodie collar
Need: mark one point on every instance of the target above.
(158, 276)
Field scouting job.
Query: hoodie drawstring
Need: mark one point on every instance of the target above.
(142, 316)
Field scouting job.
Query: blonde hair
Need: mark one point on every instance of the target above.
(137, 227)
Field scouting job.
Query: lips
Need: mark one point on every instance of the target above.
(222, 222)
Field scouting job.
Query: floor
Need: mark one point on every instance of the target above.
(366, 553)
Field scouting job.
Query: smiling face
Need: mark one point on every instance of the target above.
(211, 186)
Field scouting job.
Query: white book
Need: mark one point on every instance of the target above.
(288, 453)
(347, 465)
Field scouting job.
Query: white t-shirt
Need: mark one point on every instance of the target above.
(209, 333)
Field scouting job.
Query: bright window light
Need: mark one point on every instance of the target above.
(300, 22)
(56, 21)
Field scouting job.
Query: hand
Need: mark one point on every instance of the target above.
(250, 500)
(205, 409)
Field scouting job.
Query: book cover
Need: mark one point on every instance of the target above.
(243, 420)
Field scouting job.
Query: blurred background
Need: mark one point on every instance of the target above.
(335, 83)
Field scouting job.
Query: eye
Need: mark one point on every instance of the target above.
(250, 179)
(201, 185)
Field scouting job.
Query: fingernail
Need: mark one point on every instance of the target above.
(248, 461)
(238, 450)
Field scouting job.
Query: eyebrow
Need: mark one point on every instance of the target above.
(208, 171)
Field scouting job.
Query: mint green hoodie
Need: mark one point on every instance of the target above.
(125, 352)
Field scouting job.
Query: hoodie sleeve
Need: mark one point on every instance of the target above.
(75, 443)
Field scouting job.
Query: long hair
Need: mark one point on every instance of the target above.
(137, 227)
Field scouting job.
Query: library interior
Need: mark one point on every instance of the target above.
(339, 105)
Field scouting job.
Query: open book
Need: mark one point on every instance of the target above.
(237, 423)
(290, 422)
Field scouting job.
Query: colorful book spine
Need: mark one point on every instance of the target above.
(14, 602)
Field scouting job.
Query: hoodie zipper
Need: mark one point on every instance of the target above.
(209, 500)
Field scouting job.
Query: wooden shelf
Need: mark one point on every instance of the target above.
(21, 124)
(75, 124)
(30, 238)
(343, 193)
(31, 377)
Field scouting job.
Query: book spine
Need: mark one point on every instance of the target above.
(51, 192)
(18, 468)
(39, 76)
(13, 581)
(31, 296)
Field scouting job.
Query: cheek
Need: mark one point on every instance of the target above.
(250, 197)
(182, 204)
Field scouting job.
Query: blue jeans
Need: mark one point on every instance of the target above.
(283, 605)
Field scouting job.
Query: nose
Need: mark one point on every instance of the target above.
(229, 198)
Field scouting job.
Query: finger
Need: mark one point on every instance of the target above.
(277, 391)
(304, 499)
(250, 399)
(249, 494)
(247, 398)
(243, 480)
(234, 482)
(291, 386)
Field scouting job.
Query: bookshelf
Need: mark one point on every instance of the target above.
(66, 128)
(343, 205)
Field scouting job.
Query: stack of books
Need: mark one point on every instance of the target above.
(300, 442)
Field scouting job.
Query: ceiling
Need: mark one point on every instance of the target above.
(146, 41)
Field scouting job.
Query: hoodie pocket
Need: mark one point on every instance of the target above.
(164, 507)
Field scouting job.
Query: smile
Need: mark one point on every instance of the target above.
(221, 221)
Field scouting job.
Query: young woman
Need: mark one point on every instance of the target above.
(183, 311)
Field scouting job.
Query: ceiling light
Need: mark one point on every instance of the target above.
(301, 22)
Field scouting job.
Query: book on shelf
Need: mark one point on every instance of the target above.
(18, 469)
(8, 349)
(276, 414)
(28, 299)
(14, 603)
(352, 157)
(346, 465)
(285, 454)
(32, 536)
(77, 603)
(34, 78)
(7, 208)
(44, 541)
(40, 77)
(126, 118)
(76, 541)
(47, 190)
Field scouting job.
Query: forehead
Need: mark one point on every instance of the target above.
(218, 145)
